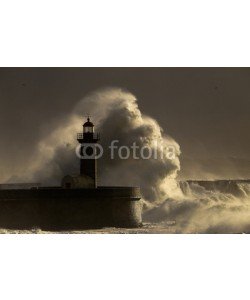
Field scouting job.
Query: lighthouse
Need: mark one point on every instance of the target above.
(78, 203)
(88, 140)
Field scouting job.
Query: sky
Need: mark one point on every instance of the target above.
(206, 110)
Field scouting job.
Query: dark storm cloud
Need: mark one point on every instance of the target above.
(205, 109)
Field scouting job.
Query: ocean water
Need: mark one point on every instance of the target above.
(221, 206)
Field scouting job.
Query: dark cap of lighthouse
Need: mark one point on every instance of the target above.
(88, 135)
(88, 123)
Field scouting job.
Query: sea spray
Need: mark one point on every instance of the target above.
(118, 117)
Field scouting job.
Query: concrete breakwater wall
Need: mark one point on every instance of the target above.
(58, 208)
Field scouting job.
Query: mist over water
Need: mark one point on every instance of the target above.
(193, 207)
(206, 209)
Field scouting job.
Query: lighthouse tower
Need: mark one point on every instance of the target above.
(88, 139)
